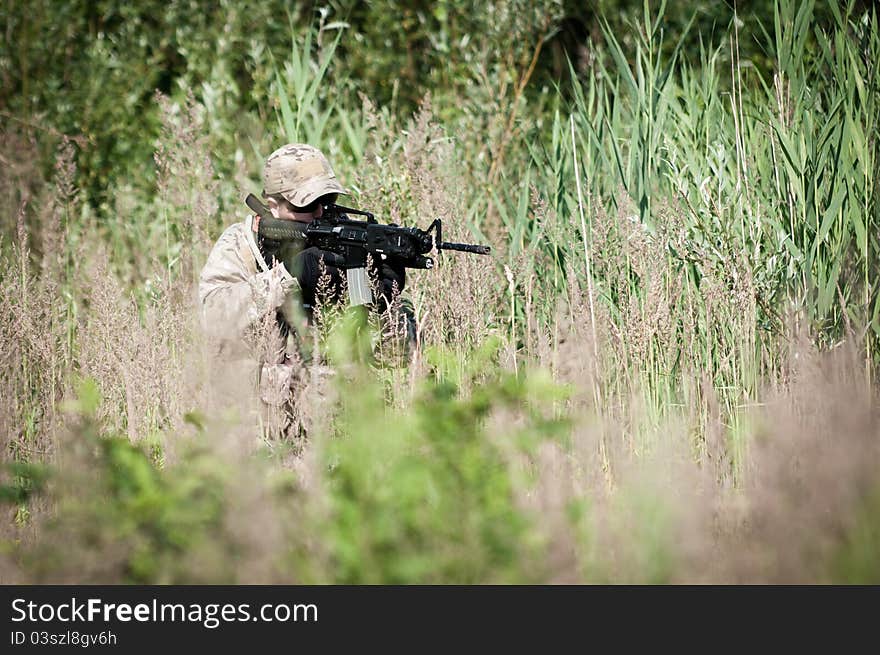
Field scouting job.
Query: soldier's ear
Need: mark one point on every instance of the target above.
(273, 206)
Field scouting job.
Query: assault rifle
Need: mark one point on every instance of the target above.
(353, 241)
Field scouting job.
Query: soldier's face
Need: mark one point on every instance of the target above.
(287, 212)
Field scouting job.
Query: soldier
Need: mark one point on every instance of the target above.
(247, 278)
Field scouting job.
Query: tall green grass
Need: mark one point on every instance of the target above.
(766, 180)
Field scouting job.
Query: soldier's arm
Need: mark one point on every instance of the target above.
(233, 293)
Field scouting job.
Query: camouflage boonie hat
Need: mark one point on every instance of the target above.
(300, 173)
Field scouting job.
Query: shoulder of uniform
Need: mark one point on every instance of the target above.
(235, 229)
(234, 233)
(239, 238)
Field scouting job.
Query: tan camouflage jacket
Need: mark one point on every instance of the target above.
(236, 291)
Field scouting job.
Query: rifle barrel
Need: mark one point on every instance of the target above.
(465, 247)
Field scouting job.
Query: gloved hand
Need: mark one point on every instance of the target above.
(392, 270)
(391, 275)
(305, 266)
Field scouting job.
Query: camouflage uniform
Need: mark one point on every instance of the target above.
(238, 288)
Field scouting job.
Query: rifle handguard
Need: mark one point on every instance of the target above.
(273, 228)
(277, 229)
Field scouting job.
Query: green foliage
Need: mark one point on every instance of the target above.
(857, 560)
(26, 480)
(424, 494)
(161, 514)
(144, 518)
(427, 495)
